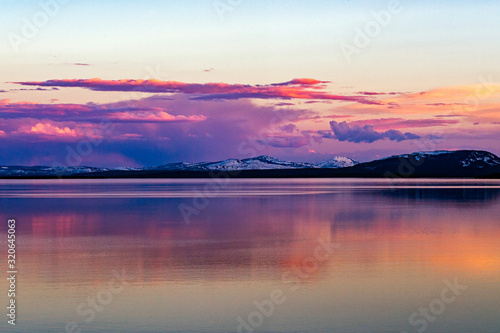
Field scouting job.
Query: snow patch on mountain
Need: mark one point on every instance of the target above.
(463, 158)
(263, 162)
(478, 157)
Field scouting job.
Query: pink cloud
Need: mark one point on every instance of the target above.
(55, 131)
(118, 112)
(337, 116)
(290, 128)
(128, 136)
(153, 116)
(48, 129)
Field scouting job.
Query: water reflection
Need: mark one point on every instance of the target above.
(396, 246)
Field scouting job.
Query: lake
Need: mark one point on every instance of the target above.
(300, 255)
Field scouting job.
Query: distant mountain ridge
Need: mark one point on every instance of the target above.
(262, 162)
(442, 163)
(433, 164)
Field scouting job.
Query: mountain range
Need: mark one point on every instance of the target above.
(257, 163)
(263, 162)
(460, 163)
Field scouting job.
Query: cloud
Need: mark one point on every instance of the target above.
(399, 123)
(344, 132)
(294, 89)
(290, 128)
(303, 82)
(118, 112)
(315, 102)
(149, 131)
(371, 93)
(444, 104)
(396, 135)
(484, 89)
(33, 89)
(48, 129)
(55, 131)
(285, 141)
(337, 116)
(153, 117)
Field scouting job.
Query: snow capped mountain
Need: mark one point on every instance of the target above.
(419, 155)
(460, 163)
(480, 157)
(263, 162)
(466, 157)
(336, 162)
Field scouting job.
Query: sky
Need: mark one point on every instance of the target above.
(143, 83)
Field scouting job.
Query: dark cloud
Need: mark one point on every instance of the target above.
(397, 123)
(34, 89)
(344, 132)
(449, 115)
(302, 82)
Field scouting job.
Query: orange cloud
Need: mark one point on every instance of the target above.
(471, 104)
(48, 129)
(53, 130)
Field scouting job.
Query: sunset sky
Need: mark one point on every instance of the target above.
(142, 83)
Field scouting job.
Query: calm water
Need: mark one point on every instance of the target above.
(261, 255)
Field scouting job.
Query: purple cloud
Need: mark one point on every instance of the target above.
(344, 132)
(290, 128)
